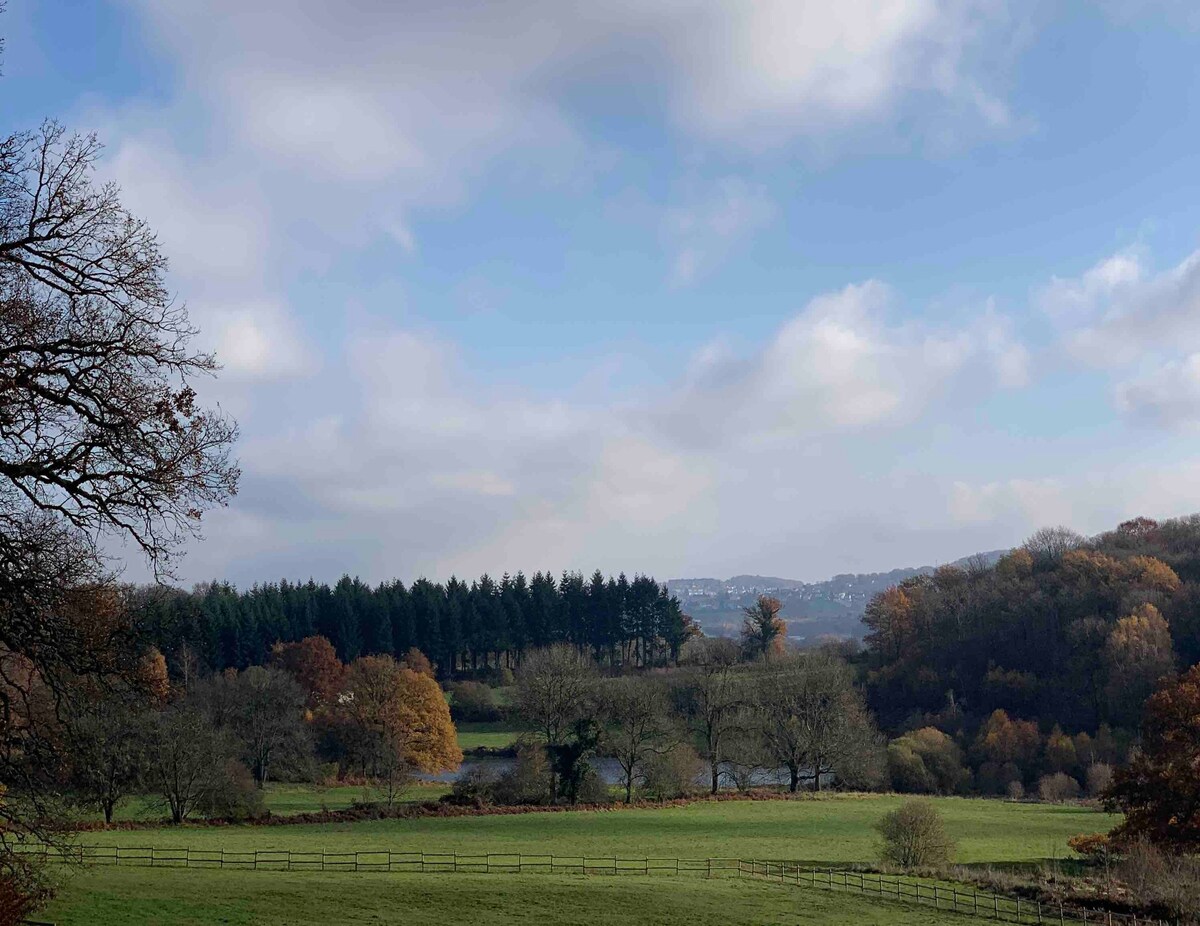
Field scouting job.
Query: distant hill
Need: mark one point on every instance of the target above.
(812, 609)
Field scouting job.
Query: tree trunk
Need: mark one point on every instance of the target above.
(629, 788)
(794, 773)
(716, 776)
(108, 811)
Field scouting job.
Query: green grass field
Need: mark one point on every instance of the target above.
(287, 799)
(835, 829)
(499, 735)
(125, 897)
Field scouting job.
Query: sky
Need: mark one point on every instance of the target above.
(684, 287)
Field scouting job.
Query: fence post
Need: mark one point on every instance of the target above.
(935, 897)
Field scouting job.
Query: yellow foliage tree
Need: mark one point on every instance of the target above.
(1139, 653)
(393, 720)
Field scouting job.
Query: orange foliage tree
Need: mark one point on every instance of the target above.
(391, 721)
(1159, 790)
(314, 664)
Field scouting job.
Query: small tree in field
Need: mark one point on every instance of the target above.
(914, 836)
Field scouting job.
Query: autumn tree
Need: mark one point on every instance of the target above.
(101, 435)
(392, 721)
(764, 633)
(314, 664)
(927, 761)
(710, 696)
(1159, 790)
(1139, 653)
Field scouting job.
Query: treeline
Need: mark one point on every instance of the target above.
(461, 627)
(206, 746)
(1040, 664)
(1061, 630)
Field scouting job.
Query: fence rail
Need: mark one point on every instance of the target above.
(904, 888)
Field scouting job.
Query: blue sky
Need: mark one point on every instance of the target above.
(682, 286)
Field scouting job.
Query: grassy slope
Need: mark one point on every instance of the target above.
(498, 735)
(834, 829)
(124, 897)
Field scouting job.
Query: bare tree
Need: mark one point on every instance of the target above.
(268, 721)
(554, 692)
(637, 725)
(187, 759)
(710, 696)
(1048, 544)
(100, 432)
(107, 752)
(813, 720)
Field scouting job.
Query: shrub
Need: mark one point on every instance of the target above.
(1166, 884)
(473, 702)
(528, 781)
(232, 796)
(673, 773)
(914, 836)
(1092, 846)
(1016, 791)
(1099, 778)
(1057, 788)
(592, 787)
(476, 787)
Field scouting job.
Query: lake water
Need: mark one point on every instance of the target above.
(609, 769)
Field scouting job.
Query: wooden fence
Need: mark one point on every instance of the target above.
(904, 888)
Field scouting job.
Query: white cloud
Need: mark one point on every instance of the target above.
(1140, 328)
(1168, 396)
(1117, 310)
(840, 364)
(706, 229)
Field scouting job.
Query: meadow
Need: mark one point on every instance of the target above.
(833, 830)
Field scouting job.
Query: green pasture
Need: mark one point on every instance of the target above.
(176, 897)
(832, 829)
(499, 735)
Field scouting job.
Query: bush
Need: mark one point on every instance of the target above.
(473, 702)
(1099, 778)
(1092, 846)
(1058, 788)
(528, 781)
(673, 773)
(233, 796)
(1168, 885)
(476, 787)
(914, 836)
(1016, 791)
(592, 788)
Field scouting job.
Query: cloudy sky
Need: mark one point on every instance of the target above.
(679, 286)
